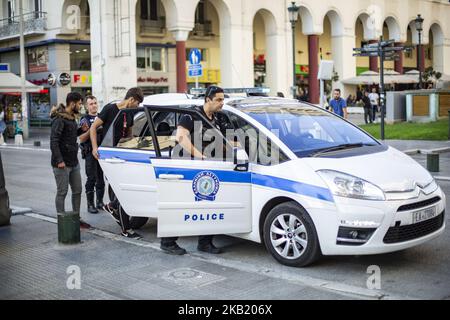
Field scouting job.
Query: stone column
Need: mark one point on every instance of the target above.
(373, 61)
(313, 48)
(181, 35)
(398, 64)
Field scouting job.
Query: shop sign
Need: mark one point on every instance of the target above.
(37, 59)
(64, 79)
(51, 80)
(81, 79)
(153, 80)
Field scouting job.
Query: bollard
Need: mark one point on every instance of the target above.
(433, 162)
(18, 140)
(69, 228)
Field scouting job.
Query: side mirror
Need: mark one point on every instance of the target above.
(240, 159)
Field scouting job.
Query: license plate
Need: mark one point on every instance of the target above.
(423, 215)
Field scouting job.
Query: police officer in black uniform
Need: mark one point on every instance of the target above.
(186, 135)
(94, 172)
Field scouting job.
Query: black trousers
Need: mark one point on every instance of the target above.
(202, 240)
(94, 174)
(368, 114)
(123, 216)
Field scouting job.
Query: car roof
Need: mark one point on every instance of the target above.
(188, 101)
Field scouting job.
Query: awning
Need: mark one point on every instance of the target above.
(11, 83)
(390, 77)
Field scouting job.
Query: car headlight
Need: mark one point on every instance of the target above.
(345, 185)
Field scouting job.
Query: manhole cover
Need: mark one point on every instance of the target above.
(190, 277)
(184, 274)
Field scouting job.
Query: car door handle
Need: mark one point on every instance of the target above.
(171, 177)
(115, 160)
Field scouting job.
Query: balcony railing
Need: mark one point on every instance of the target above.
(153, 26)
(203, 29)
(33, 23)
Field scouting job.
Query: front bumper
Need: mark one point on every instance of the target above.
(391, 229)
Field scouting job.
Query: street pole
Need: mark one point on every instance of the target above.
(23, 74)
(419, 59)
(294, 84)
(381, 54)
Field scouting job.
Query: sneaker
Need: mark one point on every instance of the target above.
(131, 234)
(84, 225)
(209, 248)
(113, 212)
(174, 249)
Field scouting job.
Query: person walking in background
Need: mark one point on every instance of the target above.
(94, 172)
(374, 101)
(64, 149)
(2, 126)
(338, 105)
(367, 108)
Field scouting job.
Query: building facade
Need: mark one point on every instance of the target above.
(107, 46)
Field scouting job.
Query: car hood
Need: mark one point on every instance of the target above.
(390, 170)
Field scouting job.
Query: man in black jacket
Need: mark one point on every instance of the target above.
(64, 148)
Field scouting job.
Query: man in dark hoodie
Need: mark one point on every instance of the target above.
(64, 148)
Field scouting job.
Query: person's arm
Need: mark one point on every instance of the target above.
(183, 138)
(93, 136)
(344, 108)
(85, 136)
(83, 131)
(55, 137)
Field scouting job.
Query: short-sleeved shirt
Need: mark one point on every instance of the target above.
(108, 114)
(89, 120)
(338, 106)
(188, 123)
(374, 98)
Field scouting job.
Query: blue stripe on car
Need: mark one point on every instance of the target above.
(226, 176)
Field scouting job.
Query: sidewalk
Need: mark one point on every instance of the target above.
(34, 266)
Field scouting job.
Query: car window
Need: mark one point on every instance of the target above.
(307, 129)
(207, 140)
(260, 149)
(141, 138)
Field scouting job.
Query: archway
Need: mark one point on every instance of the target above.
(364, 34)
(264, 26)
(330, 44)
(437, 47)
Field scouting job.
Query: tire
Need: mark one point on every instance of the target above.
(278, 236)
(135, 222)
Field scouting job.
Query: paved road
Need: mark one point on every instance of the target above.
(421, 272)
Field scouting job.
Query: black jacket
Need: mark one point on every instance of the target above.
(63, 138)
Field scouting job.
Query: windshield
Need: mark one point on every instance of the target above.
(308, 130)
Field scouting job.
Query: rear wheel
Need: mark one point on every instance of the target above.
(290, 235)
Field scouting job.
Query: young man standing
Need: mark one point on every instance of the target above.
(374, 98)
(338, 104)
(122, 129)
(64, 148)
(214, 101)
(94, 172)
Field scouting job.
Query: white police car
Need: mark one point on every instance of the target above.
(314, 184)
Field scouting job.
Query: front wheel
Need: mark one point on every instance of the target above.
(290, 235)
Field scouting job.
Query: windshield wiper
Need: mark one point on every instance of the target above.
(338, 148)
